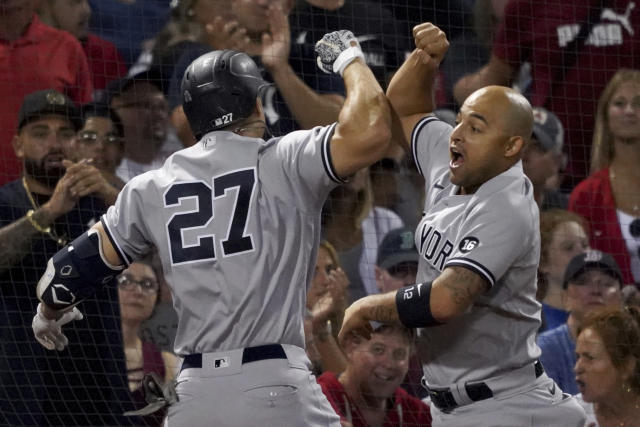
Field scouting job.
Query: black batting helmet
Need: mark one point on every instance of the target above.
(220, 88)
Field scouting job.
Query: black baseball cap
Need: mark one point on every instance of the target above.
(590, 260)
(547, 129)
(397, 246)
(49, 101)
(152, 75)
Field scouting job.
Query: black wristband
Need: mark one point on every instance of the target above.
(413, 307)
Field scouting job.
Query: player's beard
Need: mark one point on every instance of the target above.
(48, 176)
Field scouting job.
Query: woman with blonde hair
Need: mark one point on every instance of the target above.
(609, 199)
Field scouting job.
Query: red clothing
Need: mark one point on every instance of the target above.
(537, 31)
(43, 58)
(105, 62)
(593, 199)
(152, 361)
(406, 410)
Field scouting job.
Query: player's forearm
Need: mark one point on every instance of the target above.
(308, 107)
(412, 88)
(366, 115)
(381, 308)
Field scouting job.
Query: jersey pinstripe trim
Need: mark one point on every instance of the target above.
(473, 266)
(326, 156)
(122, 254)
(414, 138)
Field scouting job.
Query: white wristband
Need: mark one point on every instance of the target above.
(346, 57)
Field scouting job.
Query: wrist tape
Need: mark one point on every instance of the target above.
(346, 57)
(413, 306)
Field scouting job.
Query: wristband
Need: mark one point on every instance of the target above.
(346, 57)
(413, 307)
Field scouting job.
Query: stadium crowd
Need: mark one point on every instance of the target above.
(91, 99)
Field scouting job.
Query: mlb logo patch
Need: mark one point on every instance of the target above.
(222, 362)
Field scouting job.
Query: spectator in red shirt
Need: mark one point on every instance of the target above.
(367, 393)
(33, 57)
(105, 61)
(539, 33)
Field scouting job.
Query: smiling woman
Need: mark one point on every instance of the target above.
(609, 198)
(608, 367)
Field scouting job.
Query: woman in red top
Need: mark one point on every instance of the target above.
(610, 198)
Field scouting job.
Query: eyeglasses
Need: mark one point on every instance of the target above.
(89, 137)
(128, 283)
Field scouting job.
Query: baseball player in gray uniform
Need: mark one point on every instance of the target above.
(478, 242)
(236, 222)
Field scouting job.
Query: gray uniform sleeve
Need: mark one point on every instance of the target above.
(490, 241)
(125, 222)
(306, 167)
(430, 148)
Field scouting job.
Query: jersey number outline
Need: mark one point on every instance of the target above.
(235, 242)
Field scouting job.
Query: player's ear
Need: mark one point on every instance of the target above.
(259, 108)
(514, 146)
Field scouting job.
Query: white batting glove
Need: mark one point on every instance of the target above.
(336, 50)
(48, 332)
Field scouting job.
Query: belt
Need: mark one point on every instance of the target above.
(249, 354)
(445, 401)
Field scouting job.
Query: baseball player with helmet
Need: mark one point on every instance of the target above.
(236, 222)
(478, 244)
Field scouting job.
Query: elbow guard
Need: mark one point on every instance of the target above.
(76, 272)
(413, 305)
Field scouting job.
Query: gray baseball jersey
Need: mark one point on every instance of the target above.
(236, 222)
(494, 233)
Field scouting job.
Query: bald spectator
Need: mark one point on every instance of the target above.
(33, 57)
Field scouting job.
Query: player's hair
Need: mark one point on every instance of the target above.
(602, 148)
(619, 330)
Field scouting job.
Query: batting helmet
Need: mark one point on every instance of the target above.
(220, 88)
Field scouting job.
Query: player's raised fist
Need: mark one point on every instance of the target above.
(431, 41)
(336, 50)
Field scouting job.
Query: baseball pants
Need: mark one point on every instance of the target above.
(265, 390)
(540, 403)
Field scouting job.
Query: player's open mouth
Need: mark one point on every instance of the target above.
(456, 158)
(581, 385)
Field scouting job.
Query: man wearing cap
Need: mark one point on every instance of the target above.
(592, 281)
(397, 263)
(396, 267)
(140, 102)
(543, 158)
(51, 204)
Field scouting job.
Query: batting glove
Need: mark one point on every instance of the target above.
(336, 50)
(48, 332)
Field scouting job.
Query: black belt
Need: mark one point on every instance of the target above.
(444, 400)
(249, 354)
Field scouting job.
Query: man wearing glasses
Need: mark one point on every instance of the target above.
(140, 103)
(40, 212)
